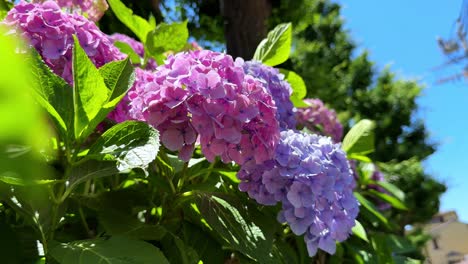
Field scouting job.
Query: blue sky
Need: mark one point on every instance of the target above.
(402, 34)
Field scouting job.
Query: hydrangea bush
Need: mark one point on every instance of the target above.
(156, 165)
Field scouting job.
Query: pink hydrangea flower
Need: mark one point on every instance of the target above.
(206, 95)
(318, 118)
(51, 31)
(91, 9)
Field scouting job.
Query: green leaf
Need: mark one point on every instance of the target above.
(113, 250)
(359, 158)
(371, 208)
(166, 37)
(177, 251)
(298, 86)
(389, 199)
(360, 139)
(359, 231)
(239, 227)
(119, 77)
(275, 49)
(5, 6)
(132, 144)
(135, 23)
(22, 181)
(89, 92)
(127, 49)
(87, 170)
(53, 94)
(395, 191)
(208, 249)
(24, 131)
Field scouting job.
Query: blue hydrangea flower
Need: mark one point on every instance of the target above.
(312, 179)
(279, 89)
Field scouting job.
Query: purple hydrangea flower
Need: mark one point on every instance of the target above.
(92, 9)
(51, 32)
(136, 46)
(279, 89)
(318, 118)
(205, 94)
(312, 179)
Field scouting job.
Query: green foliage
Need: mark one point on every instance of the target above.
(298, 87)
(360, 139)
(107, 250)
(53, 94)
(421, 190)
(132, 144)
(89, 92)
(166, 37)
(5, 6)
(139, 26)
(360, 232)
(275, 49)
(242, 229)
(132, 55)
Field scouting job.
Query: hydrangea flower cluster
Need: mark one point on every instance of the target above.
(51, 32)
(92, 9)
(279, 89)
(136, 46)
(312, 178)
(206, 94)
(318, 118)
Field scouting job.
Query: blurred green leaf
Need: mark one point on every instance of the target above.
(359, 231)
(275, 48)
(394, 202)
(5, 6)
(392, 189)
(115, 250)
(360, 139)
(359, 157)
(371, 208)
(21, 181)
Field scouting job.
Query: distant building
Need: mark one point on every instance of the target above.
(449, 243)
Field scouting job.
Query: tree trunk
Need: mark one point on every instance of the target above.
(245, 25)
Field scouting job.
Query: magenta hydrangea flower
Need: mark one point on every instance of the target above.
(51, 31)
(91, 9)
(279, 89)
(136, 46)
(318, 118)
(312, 179)
(206, 95)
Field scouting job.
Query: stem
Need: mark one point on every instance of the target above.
(180, 183)
(173, 188)
(83, 220)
